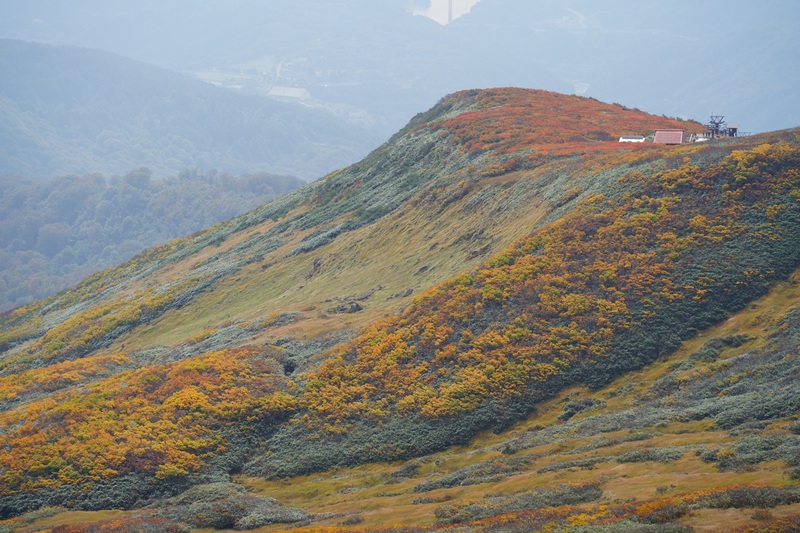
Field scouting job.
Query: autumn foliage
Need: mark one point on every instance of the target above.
(660, 511)
(670, 242)
(541, 124)
(165, 420)
(578, 294)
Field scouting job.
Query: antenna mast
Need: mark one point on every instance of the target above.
(717, 126)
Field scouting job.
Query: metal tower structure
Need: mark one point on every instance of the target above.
(716, 127)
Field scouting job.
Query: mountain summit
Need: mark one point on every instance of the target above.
(501, 249)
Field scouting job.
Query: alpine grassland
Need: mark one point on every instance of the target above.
(500, 320)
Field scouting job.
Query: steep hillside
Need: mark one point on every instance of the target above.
(54, 233)
(654, 451)
(498, 251)
(73, 110)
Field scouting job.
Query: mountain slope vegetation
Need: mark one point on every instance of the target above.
(69, 110)
(496, 255)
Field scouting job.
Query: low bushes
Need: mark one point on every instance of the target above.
(533, 499)
(226, 506)
(485, 472)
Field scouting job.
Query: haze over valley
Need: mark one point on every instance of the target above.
(376, 61)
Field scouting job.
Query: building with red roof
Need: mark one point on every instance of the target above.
(669, 137)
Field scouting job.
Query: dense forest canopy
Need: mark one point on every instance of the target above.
(55, 232)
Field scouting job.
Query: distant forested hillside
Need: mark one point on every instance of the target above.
(73, 110)
(55, 232)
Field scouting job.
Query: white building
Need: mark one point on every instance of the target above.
(631, 139)
(442, 11)
(289, 93)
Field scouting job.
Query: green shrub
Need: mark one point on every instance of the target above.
(575, 463)
(604, 443)
(407, 471)
(133, 525)
(629, 526)
(224, 506)
(352, 521)
(528, 500)
(485, 472)
(759, 497)
(578, 406)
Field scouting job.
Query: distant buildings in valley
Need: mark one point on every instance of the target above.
(289, 93)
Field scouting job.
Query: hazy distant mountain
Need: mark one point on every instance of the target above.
(74, 110)
(688, 59)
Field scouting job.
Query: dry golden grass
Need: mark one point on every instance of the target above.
(415, 248)
(69, 518)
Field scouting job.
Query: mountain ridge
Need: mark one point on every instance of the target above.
(220, 340)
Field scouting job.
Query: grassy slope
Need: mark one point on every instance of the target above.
(421, 201)
(381, 498)
(421, 185)
(602, 291)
